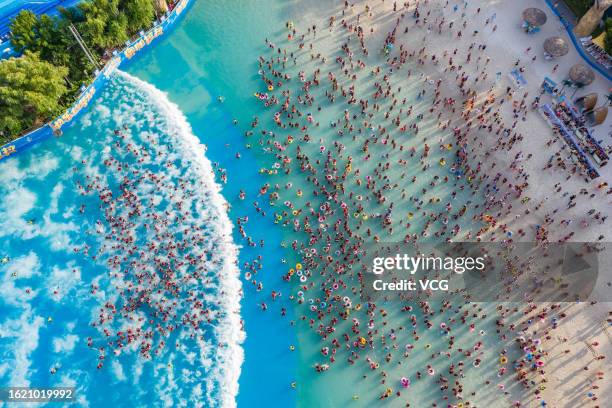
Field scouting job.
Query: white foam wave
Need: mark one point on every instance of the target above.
(25, 331)
(66, 344)
(226, 370)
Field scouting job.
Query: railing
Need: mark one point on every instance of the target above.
(551, 117)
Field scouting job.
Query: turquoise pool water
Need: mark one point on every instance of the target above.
(207, 68)
(212, 53)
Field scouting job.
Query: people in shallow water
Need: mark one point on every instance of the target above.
(334, 210)
(346, 199)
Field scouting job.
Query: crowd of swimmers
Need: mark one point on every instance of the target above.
(407, 156)
(442, 160)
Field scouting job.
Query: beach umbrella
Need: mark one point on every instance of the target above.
(534, 16)
(556, 46)
(581, 74)
(587, 102)
(598, 116)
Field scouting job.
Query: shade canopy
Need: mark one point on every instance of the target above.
(556, 46)
(587, 102)
(581, 74)
(534, 16)
(598, 116)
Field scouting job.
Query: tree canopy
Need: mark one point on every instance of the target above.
(30, 90)
(103, 26)
(58, 64)
(139, 13)
(23, 31)
(50, 38)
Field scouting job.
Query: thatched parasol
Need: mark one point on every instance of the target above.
(581, 74)
(587, 102)
(598, 116)
(534, 16)
(556, 46)
(161, 6)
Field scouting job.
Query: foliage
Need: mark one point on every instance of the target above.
(579, 7)
(109, 23)
(103, 26)
(52, 51)
(139, 13)
(608, 37)
(30, 91)
(51, 39)
(23, 31)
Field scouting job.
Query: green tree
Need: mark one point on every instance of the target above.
(57, 45)
(103, 25)
(37, 85)
(608, 37)
(23, 31)
(30, 91)
(139, 13)
(42, 35)
(50, 38)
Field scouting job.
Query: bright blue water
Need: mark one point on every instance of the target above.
(47, 305)
(213, 52)
(51, 293)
